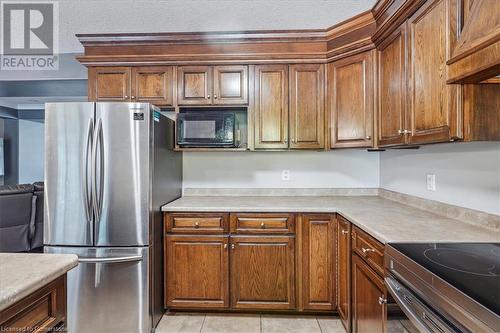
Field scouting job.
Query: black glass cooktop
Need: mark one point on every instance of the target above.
(473, 268)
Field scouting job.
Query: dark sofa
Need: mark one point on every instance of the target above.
(21, 217)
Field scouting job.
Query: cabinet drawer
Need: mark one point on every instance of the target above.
(202, 223)
(39, 312)
(368, 248)
(272, 223)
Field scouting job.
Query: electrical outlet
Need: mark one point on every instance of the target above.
(431, 182)
(285, 175)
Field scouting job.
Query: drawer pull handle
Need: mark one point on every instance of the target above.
(225, 245)
(196, 225)
(365, 251)
(262, 225)
(382, 300)
(345, 232)
(232, 246)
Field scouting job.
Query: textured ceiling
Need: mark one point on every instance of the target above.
(107, 16)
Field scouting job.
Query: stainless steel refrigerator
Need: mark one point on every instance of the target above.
(108, 169)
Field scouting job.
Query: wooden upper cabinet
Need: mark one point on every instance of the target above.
(194, 85)
(344, 271)
(109, 84)
(197, 271)
(230, 85)
(368, 314)
(317, 256)
(153, 84)
(435, 108)
(271, 106)
(307, 106)
(351, 100)
(392, 90)
(263, 272)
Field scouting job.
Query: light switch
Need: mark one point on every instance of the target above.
(285, 175)
(431, 182)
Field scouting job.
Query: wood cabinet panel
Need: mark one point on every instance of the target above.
(153, 84)
(307, 106)
(351, 101)
(368, 315)
(317, 256)
(344, 271)
(263, 272)
(109, 84)
(271, 106)
(198, 223)
(392, 79)
(262, 223)
(197, 274)
(230, 85)
(435, 107)
(41, 311)
(368, 248)
(194, 85)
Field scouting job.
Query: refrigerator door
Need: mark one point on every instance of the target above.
(68, 144)
(109, 290)
(122, 174)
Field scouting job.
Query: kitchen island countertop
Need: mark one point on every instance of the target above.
(386, 220)
(23, 273)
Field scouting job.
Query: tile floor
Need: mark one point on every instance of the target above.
(247, 323)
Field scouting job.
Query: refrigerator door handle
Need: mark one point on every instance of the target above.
(97, 172)
(87, 191)
(110, 260)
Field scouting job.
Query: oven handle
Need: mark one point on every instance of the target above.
(394, 287)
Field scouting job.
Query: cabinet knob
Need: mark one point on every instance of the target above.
(382, 300)
(208, 96)
(126, 96)
(368, 137)
(400, 132)
(196, 225)
(345, 232)
(225, 245)
(132, 97)
(215, 96)
(368, 250)
(262, 225)
(232, 246)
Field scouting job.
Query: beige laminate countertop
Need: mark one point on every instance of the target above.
(386, 220)
(23, 273)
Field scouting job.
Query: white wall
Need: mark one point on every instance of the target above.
(31, 151)
(467, 174)
(339, 168)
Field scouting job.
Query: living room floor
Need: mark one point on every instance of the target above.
(247, 323)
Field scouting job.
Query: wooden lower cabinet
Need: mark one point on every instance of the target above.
(197, 274)
(369, 297)
(344, 271)
(317, 261)
(42, 311)
(263, 272)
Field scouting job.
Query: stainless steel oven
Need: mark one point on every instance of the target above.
(206, 129)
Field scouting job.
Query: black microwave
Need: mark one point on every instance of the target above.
(206, 129)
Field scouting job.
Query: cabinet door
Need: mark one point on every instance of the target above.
(196, 271)
(351, 101)
(262, 272)
(194, 85)
(368, 314)
(153, 84)
(344, 271)
(230, 85)
(109, 84)
(392, 100)
(307, 106)
(435, 110)
(317, 257)
(271, 106)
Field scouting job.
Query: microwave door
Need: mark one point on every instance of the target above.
(206, 130)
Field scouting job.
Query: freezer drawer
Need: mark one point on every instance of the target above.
(109, 290)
